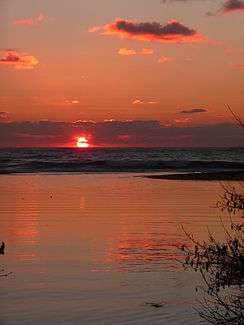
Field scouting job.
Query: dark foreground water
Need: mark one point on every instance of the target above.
(99, 248)
(120, 160)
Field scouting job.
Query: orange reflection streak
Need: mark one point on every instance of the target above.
(23, 222)
(150, 245)
(26, 230)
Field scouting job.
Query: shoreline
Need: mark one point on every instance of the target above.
(236, 175)
(204, 176)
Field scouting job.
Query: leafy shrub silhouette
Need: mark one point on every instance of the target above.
(221, 266)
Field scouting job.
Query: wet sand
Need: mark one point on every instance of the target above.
(206, 176)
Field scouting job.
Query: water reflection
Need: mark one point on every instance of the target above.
(143, 247)
(25, 228)
(21, 223)
(93, 249)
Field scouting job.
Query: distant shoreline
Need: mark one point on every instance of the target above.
(209, 176)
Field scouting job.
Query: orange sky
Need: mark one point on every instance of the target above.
(176, 62)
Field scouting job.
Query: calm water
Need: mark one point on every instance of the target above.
(119, 160)
(94, 249)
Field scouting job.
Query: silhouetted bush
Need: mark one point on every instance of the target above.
(222, 266)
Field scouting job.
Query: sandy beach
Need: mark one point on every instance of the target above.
(98, 249)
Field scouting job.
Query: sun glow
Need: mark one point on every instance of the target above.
(82, 143)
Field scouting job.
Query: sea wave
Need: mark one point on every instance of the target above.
(120, 160)
(117, 166)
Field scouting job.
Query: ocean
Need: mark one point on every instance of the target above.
(89, 243)
(101, 248)
(104, 160)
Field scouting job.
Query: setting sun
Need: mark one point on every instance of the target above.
(82, 143)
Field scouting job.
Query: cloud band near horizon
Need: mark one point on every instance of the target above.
(118, 134)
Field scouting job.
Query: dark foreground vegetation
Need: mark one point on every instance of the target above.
(222, 266)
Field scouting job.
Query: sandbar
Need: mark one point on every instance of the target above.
(203, 176)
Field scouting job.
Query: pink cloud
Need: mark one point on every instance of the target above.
(183, 120)
(83, 121)
(147, 51)
(18, 60)
(241, 66)
(129, 52)
(228, 50)
(141, 102)
(171, 32)
(124, 51)
(95, 29)
(241, 53)
(138, 102)
(111, 120)
(41, 17)
(30, 21)
(164, 59)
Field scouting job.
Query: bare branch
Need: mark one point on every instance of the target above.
(237, 118)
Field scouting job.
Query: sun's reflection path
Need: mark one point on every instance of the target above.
(21, 227)
(136, 250)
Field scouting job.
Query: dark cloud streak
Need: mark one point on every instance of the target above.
(171, 32)
(193, 111)
(233, 5)
(115, 133)
(227, 7)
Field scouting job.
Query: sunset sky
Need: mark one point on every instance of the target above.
(131, 72)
